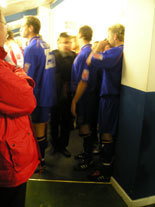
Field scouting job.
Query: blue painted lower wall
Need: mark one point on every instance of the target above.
(134, 167)
(20, 15)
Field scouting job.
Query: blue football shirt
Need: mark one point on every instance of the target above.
(39, 64)
(81, 71)
(111, 64)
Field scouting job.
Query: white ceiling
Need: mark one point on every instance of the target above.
(16, 6)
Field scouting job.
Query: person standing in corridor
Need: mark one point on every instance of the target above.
(61, 117)
(19, 154)
(39, 64)
(84, 100)
(110, 62)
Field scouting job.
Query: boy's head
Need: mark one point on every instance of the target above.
(64, 43)
(10, 35)
(116, 34)
(31, 26)
(74, 43)
(85, 33)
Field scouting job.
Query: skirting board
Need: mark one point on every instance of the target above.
(131, 203)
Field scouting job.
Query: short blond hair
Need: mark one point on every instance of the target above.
(119, 30)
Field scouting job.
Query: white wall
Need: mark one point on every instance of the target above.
(137, 16)
(151, 76)
(44, 15)
(139, 50)
(69, 15)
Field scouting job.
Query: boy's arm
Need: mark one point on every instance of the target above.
(79, 92)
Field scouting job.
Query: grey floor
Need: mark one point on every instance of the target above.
(61, 186)
(61, 194)
(59, 167)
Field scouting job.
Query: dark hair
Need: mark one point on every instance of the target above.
(63, 35)
(10, 35)
(86, 32)
(35, 22)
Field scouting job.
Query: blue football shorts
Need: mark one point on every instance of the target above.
(108, 114)
(40, 114)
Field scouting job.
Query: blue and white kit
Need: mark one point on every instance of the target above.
(39, 63)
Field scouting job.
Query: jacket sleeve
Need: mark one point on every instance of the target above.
(16, 93)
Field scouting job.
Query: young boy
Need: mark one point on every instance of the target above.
(83, 103)
(111, 64)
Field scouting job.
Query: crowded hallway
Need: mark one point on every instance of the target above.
(77, 103)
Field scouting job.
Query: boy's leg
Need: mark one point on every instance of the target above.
(104, 172)
(86, 156)
(40, 130)
(54, 127)
(40, 118)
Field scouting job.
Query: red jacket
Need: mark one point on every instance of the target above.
(19, 155)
